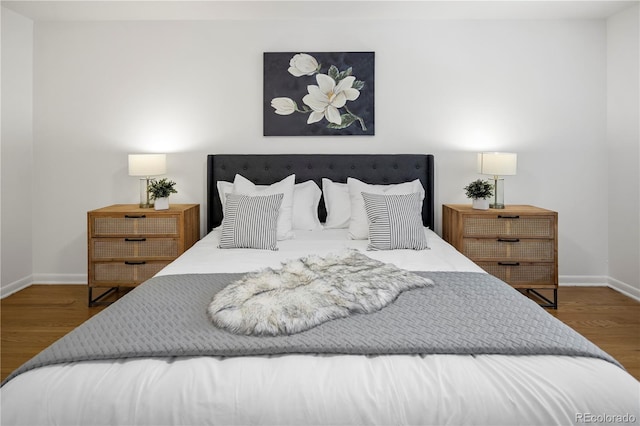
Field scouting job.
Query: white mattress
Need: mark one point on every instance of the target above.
(323, 389)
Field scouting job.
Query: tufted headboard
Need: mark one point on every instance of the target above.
(265, 169)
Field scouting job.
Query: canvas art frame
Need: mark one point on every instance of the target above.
(319, 93)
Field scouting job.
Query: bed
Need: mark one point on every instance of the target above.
(438, 354)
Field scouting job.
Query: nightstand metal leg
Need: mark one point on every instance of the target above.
(548, 303)
(94, 302)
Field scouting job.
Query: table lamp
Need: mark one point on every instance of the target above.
(497, 164)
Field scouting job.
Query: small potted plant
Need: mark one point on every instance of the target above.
(479, 191)
(160, 191)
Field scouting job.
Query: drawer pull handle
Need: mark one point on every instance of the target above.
(128, 262)
(508, 217)
(508, 240)
(509, 263)
(135, 239)
(135, 216)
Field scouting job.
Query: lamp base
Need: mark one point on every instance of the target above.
(498, 190)
(145, 200)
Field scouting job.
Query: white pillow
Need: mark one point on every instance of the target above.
(306, 196)
(337, 202)
(224, 188)
(358, 224)
(244, 186)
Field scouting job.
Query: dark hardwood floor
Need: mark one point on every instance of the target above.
(37, 316)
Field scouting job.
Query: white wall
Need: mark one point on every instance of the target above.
(448, 87)
(623, 142)
(17, 154)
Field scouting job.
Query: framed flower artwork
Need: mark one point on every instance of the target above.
(318, 93)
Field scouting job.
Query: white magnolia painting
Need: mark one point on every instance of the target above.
(318, 94)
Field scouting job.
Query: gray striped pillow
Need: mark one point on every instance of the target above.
(395, 221)
(250, 221)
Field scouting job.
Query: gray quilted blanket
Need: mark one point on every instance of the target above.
(462, 313)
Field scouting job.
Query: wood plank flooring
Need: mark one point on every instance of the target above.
(37, 316)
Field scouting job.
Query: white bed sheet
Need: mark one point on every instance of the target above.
(324, 389)
(205, 257)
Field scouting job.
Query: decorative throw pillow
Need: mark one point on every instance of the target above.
(336, 200)
(306, 196)
(250, 221)
(395, 221)
(358, 225)
(244, 186)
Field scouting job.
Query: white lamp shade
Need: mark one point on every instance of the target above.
(497, 163)
(147, 164)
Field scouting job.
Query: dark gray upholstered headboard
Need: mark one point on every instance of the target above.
(370, 168)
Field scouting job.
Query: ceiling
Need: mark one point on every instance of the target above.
(106, 10)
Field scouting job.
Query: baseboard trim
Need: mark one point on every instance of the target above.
(624, 288)
(599, 281)
(60, 279)
(583, 280)
(53, 279)
(16, 286)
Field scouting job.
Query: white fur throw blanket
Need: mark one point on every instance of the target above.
(308, 291)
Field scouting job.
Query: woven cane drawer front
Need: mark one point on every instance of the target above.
(533, 226)
(509, 249)
(123, 273)
(123, 225)
(521, 273)
(132, 248)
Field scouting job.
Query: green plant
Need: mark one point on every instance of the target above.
(161, 188)
(479, 189)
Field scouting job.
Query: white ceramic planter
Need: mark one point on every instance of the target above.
(161, 203)
(477, 203)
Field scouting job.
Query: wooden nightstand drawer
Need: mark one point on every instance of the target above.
(134, 224)
(522, 274)
(134, 247)
(509, 249)
(126, 273)
(509, 225)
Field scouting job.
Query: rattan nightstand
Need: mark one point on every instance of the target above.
(518, 244)
(129, 244)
